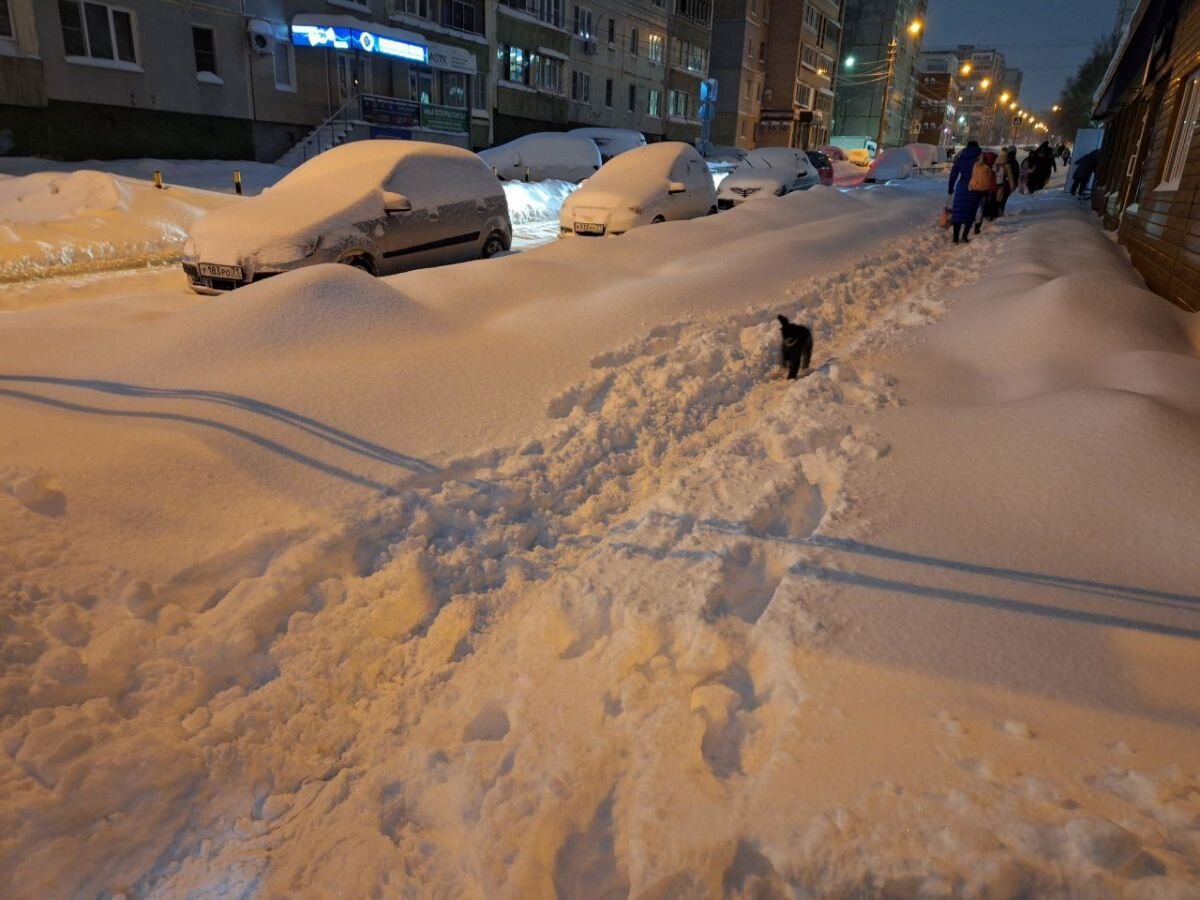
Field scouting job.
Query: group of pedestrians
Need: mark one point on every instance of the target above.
(982, 181)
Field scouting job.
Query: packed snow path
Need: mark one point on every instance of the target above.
(691, 635)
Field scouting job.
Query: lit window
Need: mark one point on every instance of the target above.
(654, 48)
(583, 21)
(652, 101)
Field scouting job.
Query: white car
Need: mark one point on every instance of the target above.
(768, 172)
(657, 183)
(891, 164)
(381, 205)
(543, 157)
(612, 141)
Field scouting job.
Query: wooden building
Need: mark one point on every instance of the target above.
(1148, 177)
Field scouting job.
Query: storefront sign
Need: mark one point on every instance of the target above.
(453, 59)
(340, 38)
(444, 118)
(390, 111)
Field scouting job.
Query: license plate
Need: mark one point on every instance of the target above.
(588, 228)
(211, 270)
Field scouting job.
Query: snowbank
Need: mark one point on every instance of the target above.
(203, 174)
(524, 578)
(54, 223)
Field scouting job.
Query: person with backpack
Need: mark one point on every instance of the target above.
(965, 201)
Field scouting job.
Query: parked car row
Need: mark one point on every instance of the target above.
(390, 206)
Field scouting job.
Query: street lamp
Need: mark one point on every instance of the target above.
(966, 69)
(1056, 108)
(985, 84)
(850, 61)
(1004, 97)
(914, 29)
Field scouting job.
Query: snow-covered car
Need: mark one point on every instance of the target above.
(823, 164)
(657, 183)
(612, 141)
(891, 164)
(768, 172)
(543, 157)
(383, 206)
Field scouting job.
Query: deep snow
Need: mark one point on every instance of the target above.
(526, 576)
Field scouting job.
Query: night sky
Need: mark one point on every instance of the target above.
(1048, 39)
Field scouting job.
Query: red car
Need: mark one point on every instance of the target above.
(823, 165)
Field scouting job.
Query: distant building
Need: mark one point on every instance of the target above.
(739, 64)
(869, 29)
(1147, 183)
(803, 43)
(689, 26)
(935, 108)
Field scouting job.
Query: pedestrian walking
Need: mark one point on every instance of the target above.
(1005, 181)
(1043, 164)
(965, 201)
(983, 181)
(1085, 167)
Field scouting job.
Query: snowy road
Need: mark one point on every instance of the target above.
(631, 616)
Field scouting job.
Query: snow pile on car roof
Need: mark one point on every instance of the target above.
(53, 222)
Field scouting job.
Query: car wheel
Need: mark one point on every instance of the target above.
(658, 219)
(360, 261)
(493, 245)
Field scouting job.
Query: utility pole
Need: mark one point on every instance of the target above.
(893, 48)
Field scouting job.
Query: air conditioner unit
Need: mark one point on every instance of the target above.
(262, 36)
(589, 45)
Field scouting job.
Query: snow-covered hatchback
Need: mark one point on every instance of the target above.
(384, 206)
(767, 172)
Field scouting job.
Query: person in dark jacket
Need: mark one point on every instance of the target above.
(1043, 165)
(1085, 167)
(965, 204)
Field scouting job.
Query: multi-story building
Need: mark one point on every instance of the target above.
(689, 37)
(739, 64)
(253, 78)
(802, 50)
(883, 38)
(237, 78)
(982, 84)
(935, 108)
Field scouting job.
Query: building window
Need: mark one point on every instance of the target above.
(633, 98)
(686, 55)
(459, 15)
(652, 102)
(97, 30)
(608, 92)
(6, 26)
(422, 9)
(479, 92)
(634, 42)
(812, 18)
(454, 89)
(654, 48)
(549, 11)
(284, 59)
(581, 86)
(679, 104)
(518, 66)
(749, 48)
(698, 11)
(583, 22)
(745, 90)
(810, 57)
(612, 32)
(762, 51)
(204, 45)
(534, 69)
(804, 96)
(420, 84)
(1185, 130)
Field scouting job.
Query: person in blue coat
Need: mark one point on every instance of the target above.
(965, 204)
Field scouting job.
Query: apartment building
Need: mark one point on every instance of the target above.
(237, 78)
(935, 108)
(253, 78)
(883, 37)
(565, 65)
(981, 85)
(802, 49)
(739, 55)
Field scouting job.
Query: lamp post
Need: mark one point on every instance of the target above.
(914, 29)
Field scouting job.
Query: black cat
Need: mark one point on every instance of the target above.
(797, 347)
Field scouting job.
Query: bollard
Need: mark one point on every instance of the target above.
(237, 181)
(158, 179)
(527, 173)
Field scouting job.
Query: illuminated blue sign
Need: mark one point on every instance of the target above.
(353, 39)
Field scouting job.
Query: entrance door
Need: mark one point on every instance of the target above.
(352, 76)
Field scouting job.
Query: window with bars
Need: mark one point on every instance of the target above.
(204, 43)
(1184, 131)
(97, 30)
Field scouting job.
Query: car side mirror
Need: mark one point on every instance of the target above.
(676, 187)
(393, 202)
